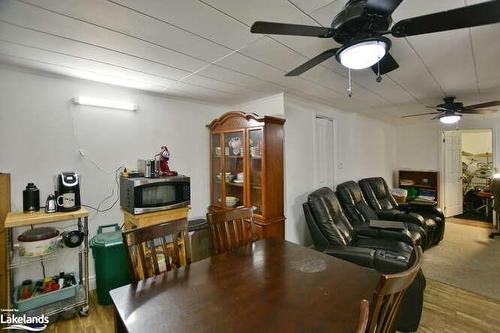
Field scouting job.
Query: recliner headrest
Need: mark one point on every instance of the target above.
(378, 194)
(350, 191)
(328, 214)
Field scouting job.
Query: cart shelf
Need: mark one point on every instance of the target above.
(19, 219)
(57, 307)
(17, 261)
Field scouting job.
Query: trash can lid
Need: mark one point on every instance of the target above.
(106, 239)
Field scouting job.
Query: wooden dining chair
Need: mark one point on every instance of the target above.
(158, 248)
(387, 299)
(231, 229)
(364, 312)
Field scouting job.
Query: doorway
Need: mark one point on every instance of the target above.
(468, 167)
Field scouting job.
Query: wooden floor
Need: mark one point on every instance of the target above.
(99, 320)
(447, 309)
(450, 309)
(472, 223)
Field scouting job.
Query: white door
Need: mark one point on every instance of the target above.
(453, 196)
(323, 152)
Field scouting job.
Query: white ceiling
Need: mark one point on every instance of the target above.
(203, 49)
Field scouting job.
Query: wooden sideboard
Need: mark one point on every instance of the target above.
(4, 209)
(246, 168)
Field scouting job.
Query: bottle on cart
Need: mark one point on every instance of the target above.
(31, 198)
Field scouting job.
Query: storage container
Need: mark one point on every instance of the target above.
(111, 266)
(43, 299)
(399, 195)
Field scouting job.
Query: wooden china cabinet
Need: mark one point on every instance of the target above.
(246, 166)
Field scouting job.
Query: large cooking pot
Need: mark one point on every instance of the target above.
(38, 241)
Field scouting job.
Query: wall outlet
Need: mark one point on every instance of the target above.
(341, 165)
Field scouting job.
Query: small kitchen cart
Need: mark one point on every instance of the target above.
(20, 219)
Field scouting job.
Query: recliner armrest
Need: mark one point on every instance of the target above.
(399, 233)
(389, 225)
(383, 261)
(410, 217)
(389, 214)
(357, 255)
(426, 209)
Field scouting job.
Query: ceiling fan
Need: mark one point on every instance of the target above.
(450, 111)
(361, 26)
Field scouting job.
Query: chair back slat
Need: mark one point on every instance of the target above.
(142, 257)
(167, 252)
(364, 312)
(176, 258)
(155, 249)
(154, 257)
(231, 229)
(389, 294)
(238, 232)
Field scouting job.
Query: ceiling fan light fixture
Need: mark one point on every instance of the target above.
(363, 53)
(450, 119)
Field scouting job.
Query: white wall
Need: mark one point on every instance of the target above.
(273, 105)
(37, 140)
(364, 148)
(477, 141)
(418, 144)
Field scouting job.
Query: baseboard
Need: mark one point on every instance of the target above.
(92, 285)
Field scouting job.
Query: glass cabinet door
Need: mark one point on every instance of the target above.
(255, 169)
(216, 153)
(234, 166)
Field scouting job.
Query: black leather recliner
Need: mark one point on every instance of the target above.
(360, 213)
(379, 197)
(332, 234)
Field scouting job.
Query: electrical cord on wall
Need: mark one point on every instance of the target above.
(116, 185)
(82, 153)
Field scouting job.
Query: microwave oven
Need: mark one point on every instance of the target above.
(144, 195)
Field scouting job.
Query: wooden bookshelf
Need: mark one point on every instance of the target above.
(421, 181)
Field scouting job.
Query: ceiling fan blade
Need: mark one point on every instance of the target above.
(482, 105)
(464, 17)
(387, 64)
(312, 62)
(420, 114)
(477, 111)
(273, 28)
(385, 7)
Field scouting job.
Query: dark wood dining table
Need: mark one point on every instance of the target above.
(269, 286)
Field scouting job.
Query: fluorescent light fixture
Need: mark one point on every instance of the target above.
(451, 119)
(104, 103)
(363, 53)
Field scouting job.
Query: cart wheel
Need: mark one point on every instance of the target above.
(84, 311)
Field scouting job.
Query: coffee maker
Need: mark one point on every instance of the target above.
(68, 192)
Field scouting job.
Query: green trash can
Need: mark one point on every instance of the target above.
(111, 267)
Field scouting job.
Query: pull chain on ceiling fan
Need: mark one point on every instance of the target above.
(361, 26)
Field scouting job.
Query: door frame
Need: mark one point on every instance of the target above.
(335, 148)
(442, 200)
